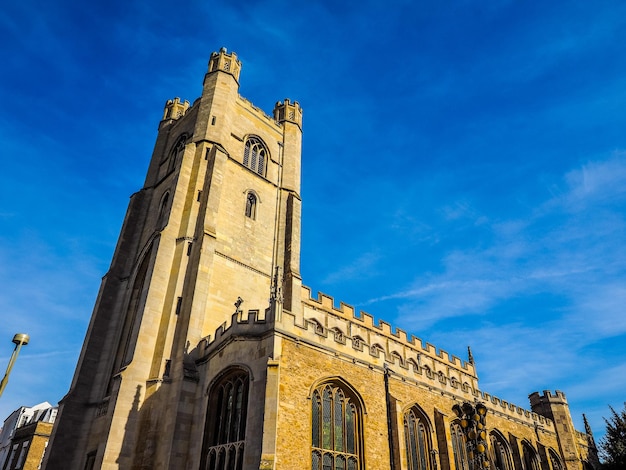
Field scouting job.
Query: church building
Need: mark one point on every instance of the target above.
(206, 352)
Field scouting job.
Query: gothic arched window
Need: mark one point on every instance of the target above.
(458, 447)
(335, 429)
(163, 207)
(500, 451)
(225, 430)
(251, 201)
(555, 460)
(176, 154)
(255, 155)
(417, 437)
(530, 457)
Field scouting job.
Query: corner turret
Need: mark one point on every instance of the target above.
(225, 62)
(175, 109)
(288, 111)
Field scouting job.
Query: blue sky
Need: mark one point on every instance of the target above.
(464, 170)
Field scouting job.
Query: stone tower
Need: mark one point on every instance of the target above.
(205, 352)
(556, 408)
(215, 228)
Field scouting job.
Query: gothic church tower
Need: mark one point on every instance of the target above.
(205, 352)
(215, 228)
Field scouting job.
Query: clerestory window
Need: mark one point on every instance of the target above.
(255, 155)
(225, 430)
(336, 418)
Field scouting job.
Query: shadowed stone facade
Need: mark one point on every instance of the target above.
(205, 351)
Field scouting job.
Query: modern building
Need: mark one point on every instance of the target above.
(24, 436)
(205, 351)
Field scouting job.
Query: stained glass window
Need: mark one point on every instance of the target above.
(417, 440)
(335, 434)
(500, 452)
(459, 447)
(225, 430)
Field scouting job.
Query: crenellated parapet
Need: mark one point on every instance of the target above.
(558, 398)
(375, 344)
(502, 407)
(253, 323)
(361, 340)
(394, 342)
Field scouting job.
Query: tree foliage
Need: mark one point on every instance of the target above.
(613, 444)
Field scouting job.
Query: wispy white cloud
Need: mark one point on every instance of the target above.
(538, 298)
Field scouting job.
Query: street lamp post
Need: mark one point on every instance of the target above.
(20, 339)
(473, 423)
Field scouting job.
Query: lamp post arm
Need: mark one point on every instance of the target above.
(5, 379)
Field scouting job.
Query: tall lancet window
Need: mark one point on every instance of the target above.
(255, 155)
(176, 154)
(417, 437)
(335, 429)
(458, 447)
(530, 457)
(225, 430)
(501, 455)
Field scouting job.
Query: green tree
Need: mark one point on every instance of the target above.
(613, 444)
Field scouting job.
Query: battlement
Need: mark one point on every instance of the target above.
(288, 111)
(175, 109)
(558, 398)
(258, 111)
(499, 406)
(225, 62)
(252, 323)
(364, 321)
(373, 344)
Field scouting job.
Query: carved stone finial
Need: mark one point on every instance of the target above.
(470, 357)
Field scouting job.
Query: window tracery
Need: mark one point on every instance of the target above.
(357, 343)
(376, 349)
(530, 457)
(338, 335)
(555, 460)
(459, 448)
(336, 440)
(417, 438)
(500, 452)
(255, 155)
(225, 429)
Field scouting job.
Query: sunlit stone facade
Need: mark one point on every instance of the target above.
(205, 351)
